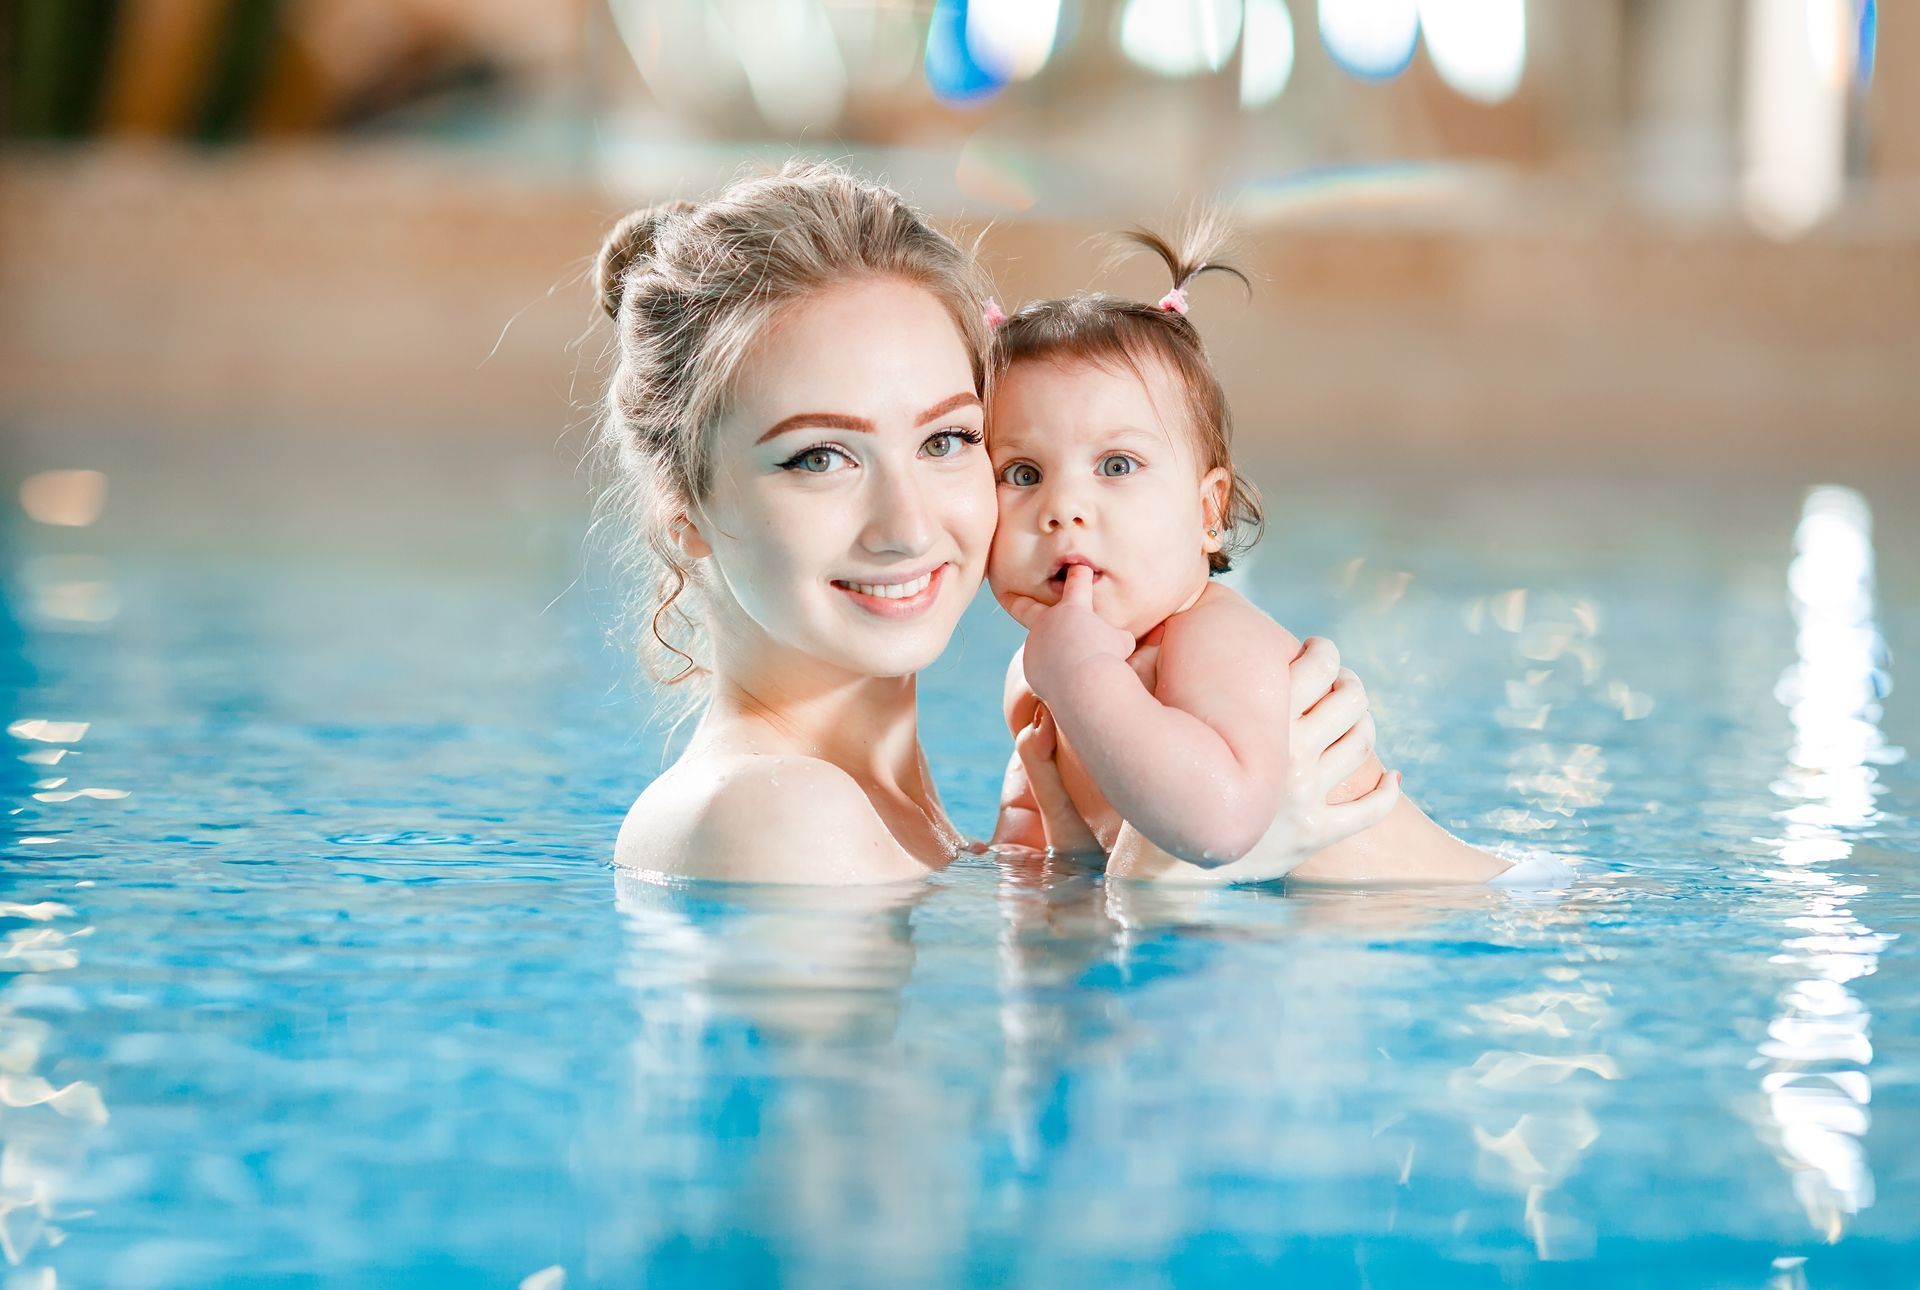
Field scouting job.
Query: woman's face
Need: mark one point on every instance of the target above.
(852, 501)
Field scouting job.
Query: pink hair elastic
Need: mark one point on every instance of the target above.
(993, 314)
(1175, 301)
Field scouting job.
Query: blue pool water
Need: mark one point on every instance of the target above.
(334, 984)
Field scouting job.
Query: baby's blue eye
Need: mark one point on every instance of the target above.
(1117, 465)
(1021, 474)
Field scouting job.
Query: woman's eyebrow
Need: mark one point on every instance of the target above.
(847, 421)
(817, 420)
(952, 403)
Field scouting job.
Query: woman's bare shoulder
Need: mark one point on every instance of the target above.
(760, 817)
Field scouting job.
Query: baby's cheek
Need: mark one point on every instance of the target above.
(1002, 568)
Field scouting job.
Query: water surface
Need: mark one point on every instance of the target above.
(316, 971)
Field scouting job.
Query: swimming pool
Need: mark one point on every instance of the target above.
(316, 971)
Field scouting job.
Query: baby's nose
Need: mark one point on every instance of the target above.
(1063, 510)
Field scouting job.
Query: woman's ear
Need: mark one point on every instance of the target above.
(1215, 488)
(686, 535)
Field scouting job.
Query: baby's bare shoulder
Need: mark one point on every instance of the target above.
(1224, 655)
(1222, 617)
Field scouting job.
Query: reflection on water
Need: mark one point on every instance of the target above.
(46, 1124)
(771, 1094)
(1054, 931)
(1532, 1099)
(1818, 1051)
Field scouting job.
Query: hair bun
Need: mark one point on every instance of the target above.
(632, 239)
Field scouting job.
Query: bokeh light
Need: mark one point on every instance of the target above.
(1180, 37)
(1798, 72)
(1266, 52)
(1479, 47)
(1013, 37)
(1371, 39)
(65, 498)
(955, 72)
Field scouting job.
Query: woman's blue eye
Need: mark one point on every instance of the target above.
(1021, 474)
(817, 460)
(1117, 465)
(948, 443)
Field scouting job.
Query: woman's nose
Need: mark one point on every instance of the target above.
(898, 521)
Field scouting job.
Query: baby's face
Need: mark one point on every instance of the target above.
(1096, 467)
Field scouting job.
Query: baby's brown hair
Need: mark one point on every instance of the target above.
(1108, 331)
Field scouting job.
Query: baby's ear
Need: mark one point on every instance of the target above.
(1215, 488)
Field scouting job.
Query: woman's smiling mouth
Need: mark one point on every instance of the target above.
(898, 598)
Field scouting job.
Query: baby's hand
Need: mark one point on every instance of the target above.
(1038, 748)
(1063, 638)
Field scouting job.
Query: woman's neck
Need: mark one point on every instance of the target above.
(868, 726)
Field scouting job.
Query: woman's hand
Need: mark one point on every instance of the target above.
(1330, 738)
(1064, 637)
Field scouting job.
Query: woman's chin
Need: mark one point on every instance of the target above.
(899, 650)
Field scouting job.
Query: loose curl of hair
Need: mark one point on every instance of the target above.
(1110, 331)
(691, 287)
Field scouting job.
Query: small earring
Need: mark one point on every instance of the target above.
(1213, 532)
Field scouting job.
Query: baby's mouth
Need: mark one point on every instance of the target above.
(1059, 575)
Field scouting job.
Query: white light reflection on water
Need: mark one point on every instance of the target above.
(1530, 1099)
(46, 1125)
(1818, 1048)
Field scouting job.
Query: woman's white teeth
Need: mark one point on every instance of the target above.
(892, 590)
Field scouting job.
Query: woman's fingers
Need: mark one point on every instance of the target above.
(1313, 671)
(1332, 717)
(1346, 754)
(1362, 813)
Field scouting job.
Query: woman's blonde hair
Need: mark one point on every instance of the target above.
(1109, 331)
(691, 287)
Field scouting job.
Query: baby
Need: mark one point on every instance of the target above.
(1151, 706)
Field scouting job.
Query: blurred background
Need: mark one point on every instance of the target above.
(1523, 231)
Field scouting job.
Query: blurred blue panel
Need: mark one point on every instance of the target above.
(1869, 38)
(952, 70)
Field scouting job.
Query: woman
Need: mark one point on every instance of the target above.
(797, 419)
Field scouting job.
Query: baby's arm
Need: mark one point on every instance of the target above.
(1201, 775)
(1035, 810)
